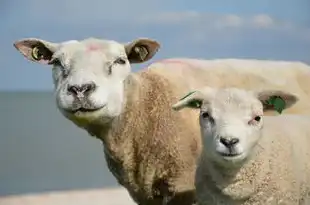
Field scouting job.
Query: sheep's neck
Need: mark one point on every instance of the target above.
(117, 134)
(111, 132)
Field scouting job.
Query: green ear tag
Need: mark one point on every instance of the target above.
(194, 104)
(277, 103)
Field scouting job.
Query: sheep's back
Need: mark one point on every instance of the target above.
(191, 74)
(289, 143)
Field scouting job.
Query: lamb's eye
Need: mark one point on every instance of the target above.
(120, 61)
(205, 115)
(257, 118)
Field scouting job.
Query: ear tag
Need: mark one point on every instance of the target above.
(277, 103)
(194, 103)
(36, 54)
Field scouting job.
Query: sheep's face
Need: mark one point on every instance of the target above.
(231, 123)
(89, 74)
(231, 120)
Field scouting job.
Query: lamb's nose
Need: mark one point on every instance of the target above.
(81, 90)
(229, 142)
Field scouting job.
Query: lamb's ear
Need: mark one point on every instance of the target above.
(36, 50)
(141, 50)
(193, 100)
(276, 100)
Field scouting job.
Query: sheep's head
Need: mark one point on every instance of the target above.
(89, 74)
(231, 120)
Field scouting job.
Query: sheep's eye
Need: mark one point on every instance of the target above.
(205, 115)
(57, 62)
(257, 118)
(120, 61)
(110, 70)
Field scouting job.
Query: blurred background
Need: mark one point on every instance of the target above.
(39, 149)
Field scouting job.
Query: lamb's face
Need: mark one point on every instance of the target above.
(89, 74)
(231, 120)
(231, 123)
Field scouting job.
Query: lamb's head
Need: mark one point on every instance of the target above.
(89, 74)
(231, 120)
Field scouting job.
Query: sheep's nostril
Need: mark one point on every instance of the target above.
(234, 141)
(87, 88)
(73, 89)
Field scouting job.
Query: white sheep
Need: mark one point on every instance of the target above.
(248, 158)
(150, 149)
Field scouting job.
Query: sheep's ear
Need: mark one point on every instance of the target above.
(193, 100)
(36, 50)
(141, 50)
(276, 100)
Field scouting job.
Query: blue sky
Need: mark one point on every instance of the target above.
(260, 29)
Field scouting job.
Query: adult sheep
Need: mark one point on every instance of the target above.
(248, 158)
(150, 150)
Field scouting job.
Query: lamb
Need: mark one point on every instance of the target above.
(248, 158)
(149, 149)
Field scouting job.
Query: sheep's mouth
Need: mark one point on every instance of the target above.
(230, 154)
(85, 110)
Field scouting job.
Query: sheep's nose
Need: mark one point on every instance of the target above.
(81, 90)
(229, 142)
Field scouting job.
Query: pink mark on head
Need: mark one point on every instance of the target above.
(93, 47)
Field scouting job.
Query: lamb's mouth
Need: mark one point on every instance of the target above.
(230, 154)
